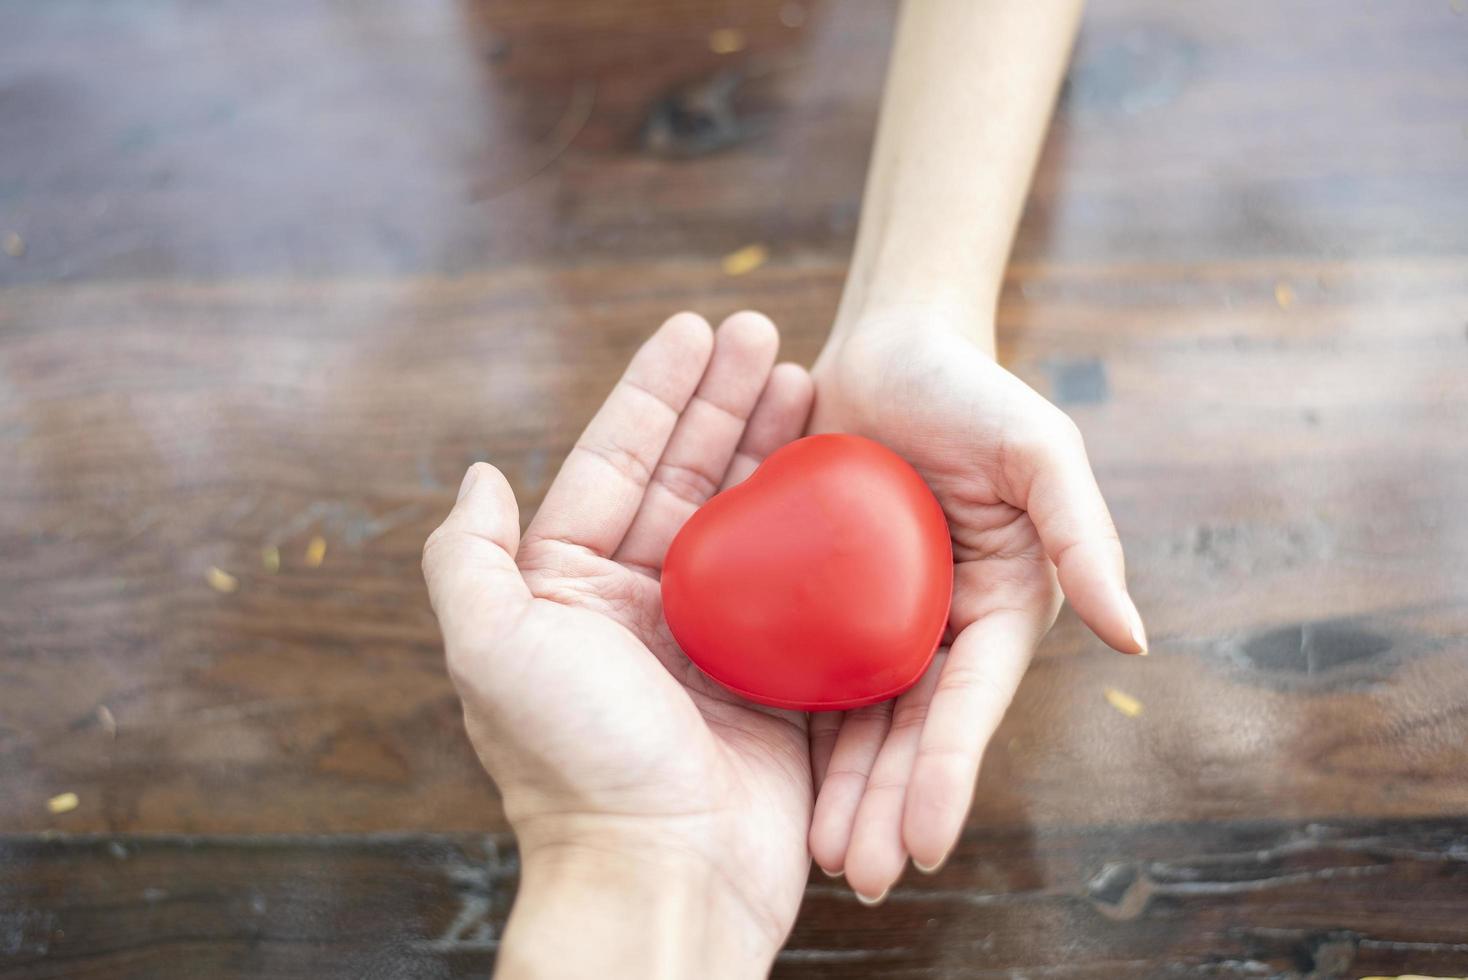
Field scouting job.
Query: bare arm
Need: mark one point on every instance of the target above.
(910, 363)
(967, 103)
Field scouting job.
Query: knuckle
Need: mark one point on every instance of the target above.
(887, 784)
(946, 761)
(910, 718)
(1047, 440)
(1064, 431)
(435, 547)
(688, 484)
(878, 714)
(623, 460)
(978, 686)
(459, 661)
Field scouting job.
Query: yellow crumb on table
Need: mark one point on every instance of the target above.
(63, 803)
(745, 260)
(221, 581)
(1284, 296)
(105, 719)
(1123, 702)
(726, 40)
(316, 552)
(270, 558)
(14, 245)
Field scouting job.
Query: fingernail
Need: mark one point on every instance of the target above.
(832, 874)
(468, 483)
(928, 869)
(872, 901)
(1138, 631)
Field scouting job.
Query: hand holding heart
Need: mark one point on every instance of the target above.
(635, 785)
(896, 779)
(613, 752)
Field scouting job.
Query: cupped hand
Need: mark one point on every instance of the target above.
(597, 729)
(1027, 522)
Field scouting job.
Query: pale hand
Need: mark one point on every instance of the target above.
(637, 788)
(1010, 470)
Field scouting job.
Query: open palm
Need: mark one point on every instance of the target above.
(1027, 522)
(576, 697)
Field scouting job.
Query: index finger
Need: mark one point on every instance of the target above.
(596, 495)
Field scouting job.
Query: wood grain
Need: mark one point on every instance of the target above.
(278, 271)
(1271, 471)
(1218, 900)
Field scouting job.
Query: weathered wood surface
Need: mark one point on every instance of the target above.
(1290, 485)
(274, 271)
(1217, 900)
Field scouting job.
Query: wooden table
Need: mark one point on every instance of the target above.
(275, 272)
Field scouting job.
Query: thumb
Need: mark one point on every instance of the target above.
(1052, 479)
(469, 561)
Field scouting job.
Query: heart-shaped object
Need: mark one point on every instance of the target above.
(822, 582)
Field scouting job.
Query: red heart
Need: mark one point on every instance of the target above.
(822, 582)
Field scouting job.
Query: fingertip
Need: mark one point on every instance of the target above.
(927, 855)
(751, 327)
(1118, 622)
(474, 548)
(745, 346)
(786, 404)
(1090, 576)
(689, 331)
(477, 472)
(471, 476)
(1138, 630)
(793, 384)
(827, 843)
(930, 830)
(876, 857)
(1120, 628)
(485, 483)
(872, 884)
(930, 869)
(933, 817)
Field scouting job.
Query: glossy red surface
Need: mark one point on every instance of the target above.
(821, 582)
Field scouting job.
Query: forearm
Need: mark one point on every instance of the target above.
(603, 912)
(968, 99)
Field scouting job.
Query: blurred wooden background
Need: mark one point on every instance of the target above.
(274, 274)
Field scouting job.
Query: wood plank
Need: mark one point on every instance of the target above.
(318, 140)
(287, 270)
(1220, 900)
(282, 270)
(1289, 483)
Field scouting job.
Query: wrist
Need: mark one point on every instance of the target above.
(621, 903)
(883, 331)
(898, 282)
(907, 291)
